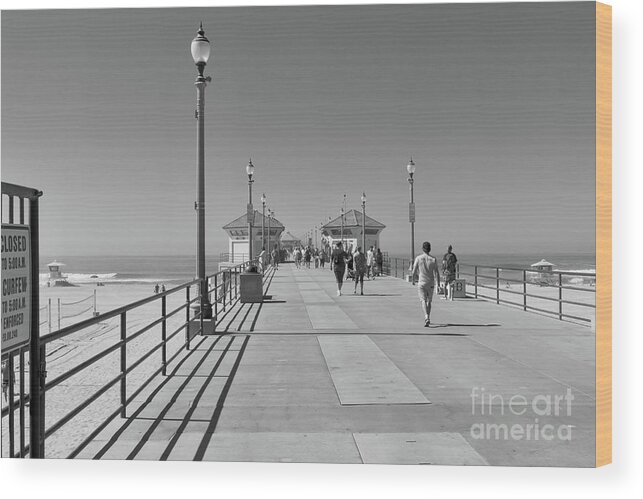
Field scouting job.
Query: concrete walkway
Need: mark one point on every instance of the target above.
(312, 377)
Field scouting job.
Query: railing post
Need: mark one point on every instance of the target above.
(22, 403)
(216, 298)
(58, 314)
(49, 314)
(497, 285)
(560, 297)
(187, 318)
(475, 278)
(94, 314)
(37, 352)
(10, 400)
(164, 335)
(123, 364)
(524, 290)
(230, 284)
(201, 288)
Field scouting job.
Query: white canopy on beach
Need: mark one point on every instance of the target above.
(56, 263)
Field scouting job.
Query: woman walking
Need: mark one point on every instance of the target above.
(359, 264)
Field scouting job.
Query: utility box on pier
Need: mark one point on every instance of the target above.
(251, 287)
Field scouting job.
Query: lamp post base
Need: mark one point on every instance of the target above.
(207, 310)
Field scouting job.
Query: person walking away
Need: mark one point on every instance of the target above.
(316, 258)
(425, 268)
(262, 259)
(449, 269)
(351, 273)
(307, 257)
(379, 261)
(275, 258)
(370, 260)
(322, 258)
(338, 262)
(359, 262)
(298, 257)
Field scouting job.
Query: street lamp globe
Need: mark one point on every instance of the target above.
(200, 48)
(250, 169)
(263, 199)
(363, 197)
(410, 167)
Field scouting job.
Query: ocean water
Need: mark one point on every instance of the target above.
(182, 268)
(168, 270)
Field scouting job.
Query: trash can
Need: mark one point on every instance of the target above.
(251, 286)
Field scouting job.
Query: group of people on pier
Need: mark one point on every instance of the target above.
(355, 265)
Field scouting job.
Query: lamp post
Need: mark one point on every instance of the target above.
(269, 247)
(410, 168)
(263, 221)
(364, 222)
(341, 234)
(250, 170)
(200, 49)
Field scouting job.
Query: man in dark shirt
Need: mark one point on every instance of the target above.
(338, 262)
(449, 270)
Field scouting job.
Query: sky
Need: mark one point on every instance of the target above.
(494, 102)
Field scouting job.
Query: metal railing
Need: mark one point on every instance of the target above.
(224, 291)
(395, 267)
(486, 277)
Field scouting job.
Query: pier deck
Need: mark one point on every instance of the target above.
(312, 377)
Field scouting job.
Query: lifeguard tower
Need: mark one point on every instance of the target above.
(350, 231)
(56, 277)
(542, 272)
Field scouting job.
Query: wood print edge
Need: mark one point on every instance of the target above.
(603, 234)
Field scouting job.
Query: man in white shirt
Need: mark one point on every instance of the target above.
(425, 267)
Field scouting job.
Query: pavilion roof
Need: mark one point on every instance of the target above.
(242, 222)
(353, 218)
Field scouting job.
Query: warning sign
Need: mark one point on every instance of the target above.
(16, 286)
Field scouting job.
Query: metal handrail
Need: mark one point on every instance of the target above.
(392, 268)
(557, 283)
(229, 281)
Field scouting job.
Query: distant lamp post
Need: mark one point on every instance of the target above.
(250, 170)
(269, 248)
(410, 168)
(364, 222)
(263, 221)
(341, 234)
(200, 49)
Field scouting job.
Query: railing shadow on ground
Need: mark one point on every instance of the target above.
(169, 403)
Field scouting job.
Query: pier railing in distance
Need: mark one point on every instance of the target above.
(517, 287)
(224, 291)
